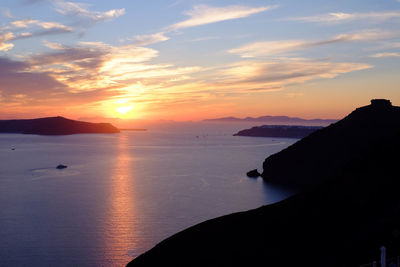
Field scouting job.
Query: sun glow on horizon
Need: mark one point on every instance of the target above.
(124, 109)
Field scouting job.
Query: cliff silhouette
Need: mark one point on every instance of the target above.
(324, 153)
(54, 126)
(341, 220)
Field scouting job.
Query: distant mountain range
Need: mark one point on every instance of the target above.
(275, 120)
(54, 126)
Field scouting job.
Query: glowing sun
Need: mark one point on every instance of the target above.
(124, 109)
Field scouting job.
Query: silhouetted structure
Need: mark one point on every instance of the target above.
(381, 103)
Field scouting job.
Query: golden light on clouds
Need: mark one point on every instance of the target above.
(186, 64)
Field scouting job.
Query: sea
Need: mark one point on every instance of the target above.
(121, 194)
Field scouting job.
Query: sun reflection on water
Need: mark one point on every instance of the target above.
(121, 235)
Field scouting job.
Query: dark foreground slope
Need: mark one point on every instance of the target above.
(54, 126)
(341, 221)
(324, 153)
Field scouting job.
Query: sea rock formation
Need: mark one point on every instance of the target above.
(253, 173)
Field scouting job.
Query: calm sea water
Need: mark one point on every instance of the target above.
(123, 193)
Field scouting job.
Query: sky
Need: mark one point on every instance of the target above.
(193, 60)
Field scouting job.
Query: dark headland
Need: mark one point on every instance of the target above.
(287, 131)
(54, 126)
(325, 153)
(349, 205)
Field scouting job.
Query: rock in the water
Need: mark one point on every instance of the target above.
(253, 173)
(60, 167)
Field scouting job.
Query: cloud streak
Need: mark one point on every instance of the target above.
(203, 14)
(341, 17)
(26, 23)
(143, 40)
(79, 11)
(12, 31)
(279, 74)
(277, 48)
(386, 54)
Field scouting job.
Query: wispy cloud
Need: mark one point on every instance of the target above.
(80, 11)
(206, 38)
(283, 73)
(203, 14)
(37, 28)
(52, 45)
(277, 48)
(143, 40)
(13, 32)
(386, 54)
(5, 45)
(94, 65)
(341, 17)
(25, 23)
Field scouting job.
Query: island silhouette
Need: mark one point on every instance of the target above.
(347, 206)
(54, 126)
(288, 131)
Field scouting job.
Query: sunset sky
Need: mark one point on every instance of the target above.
(192, 60)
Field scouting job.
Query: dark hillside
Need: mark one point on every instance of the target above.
(324, 153)
(341, 221)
